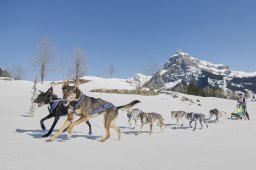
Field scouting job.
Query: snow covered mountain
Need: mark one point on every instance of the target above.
(138, 80)
(182, 69)
(4, 73)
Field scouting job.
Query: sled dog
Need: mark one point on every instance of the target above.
(88, 107)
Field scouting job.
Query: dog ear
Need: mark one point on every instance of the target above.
(50, 90)
(64, 83)
(77, 83)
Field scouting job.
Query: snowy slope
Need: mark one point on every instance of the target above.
(227, 145)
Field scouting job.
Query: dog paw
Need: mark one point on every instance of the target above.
(102, 140)
(43, 127)
(46, 135)
(90, 133)
(49, 139)
(70, 135)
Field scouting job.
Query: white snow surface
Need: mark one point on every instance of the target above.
(227, 145)
(242, 74)
(171, 84)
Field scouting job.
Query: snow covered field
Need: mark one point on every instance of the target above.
(227, 145)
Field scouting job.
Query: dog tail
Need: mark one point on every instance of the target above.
(128, 106)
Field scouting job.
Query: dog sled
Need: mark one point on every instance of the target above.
(240, 113)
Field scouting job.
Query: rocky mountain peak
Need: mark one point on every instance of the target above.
(182, 69)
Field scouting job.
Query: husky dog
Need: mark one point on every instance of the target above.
(214, 112)
(196, 117)
(88, 107)
(133, 115)
(217, 114)
(222, 115)
(179, 116)
(150, 118)
(56, 109)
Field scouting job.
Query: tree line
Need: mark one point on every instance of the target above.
(43, 62)
(208, 91)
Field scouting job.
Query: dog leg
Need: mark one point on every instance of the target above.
(195, 125)
(161, 126)
(53, 125)
(206, 123)
(177, 122)
(45, 118)
(217, 118)
(201, 123)
(190, 124)
(90, 127)
(77, 122)
(113, 126)
(64, 126)
(107, 134)
(141, 126)
(151, 127)
(107, 122)
(210, 117)
(130, 123)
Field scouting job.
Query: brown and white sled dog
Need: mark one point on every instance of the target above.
(150, 118)
(88, 107)
(179, 116)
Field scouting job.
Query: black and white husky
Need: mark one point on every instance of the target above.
(195, 117)
(133, 115)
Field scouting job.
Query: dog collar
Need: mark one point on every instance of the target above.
(54, 105)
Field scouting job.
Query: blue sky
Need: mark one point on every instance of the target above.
(128, 34)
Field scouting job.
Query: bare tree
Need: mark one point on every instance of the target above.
(64, 66)
(111, 71)
(17, 72)
(151, 68)
(44, 56)
(33, 105)
(78, 69)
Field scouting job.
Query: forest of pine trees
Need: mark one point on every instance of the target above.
(193, 89)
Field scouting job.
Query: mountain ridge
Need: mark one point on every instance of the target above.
(181, 69)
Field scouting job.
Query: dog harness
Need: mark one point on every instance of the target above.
(54, 105)
(104, 107)
(78, 104)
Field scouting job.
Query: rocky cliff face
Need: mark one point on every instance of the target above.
(182, 69)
